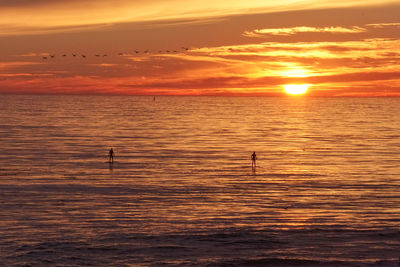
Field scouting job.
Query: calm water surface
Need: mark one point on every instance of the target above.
(182, 192)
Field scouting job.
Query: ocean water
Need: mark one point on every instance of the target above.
(181, 192)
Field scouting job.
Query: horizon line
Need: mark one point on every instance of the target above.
(282, 95)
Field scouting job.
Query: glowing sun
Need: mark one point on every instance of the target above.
(296, 89)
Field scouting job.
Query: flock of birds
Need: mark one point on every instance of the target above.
(119, 54)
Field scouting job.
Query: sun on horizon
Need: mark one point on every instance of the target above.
(296, 89)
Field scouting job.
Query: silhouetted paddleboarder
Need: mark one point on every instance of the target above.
(253, 160)
(111, 153)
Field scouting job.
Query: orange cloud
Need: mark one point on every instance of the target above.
(16, 64)
(383, 25)
(34, 17)
(260, 33)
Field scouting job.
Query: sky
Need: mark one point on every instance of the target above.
(200, 47)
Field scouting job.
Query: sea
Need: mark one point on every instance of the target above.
(182, 190)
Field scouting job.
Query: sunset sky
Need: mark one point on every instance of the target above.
(193, 47)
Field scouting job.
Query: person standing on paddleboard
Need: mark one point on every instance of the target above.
(253, 160)
(111, 153)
